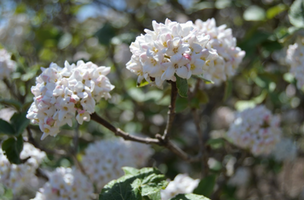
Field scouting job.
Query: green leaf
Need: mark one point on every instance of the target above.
(254, 13)
(11, 102)
(130, 171)
(182, 86)
(154, 196)
(275, 10)
(206, 185)
(135, 184)
(142, 83)
(189, 197)
(19, 122)
(6, 128)
(216, 143)
(228, 89)
(105, 34)
(181, 104)
(296, 13)
(12, 148)
(205, 80)
(202, 96)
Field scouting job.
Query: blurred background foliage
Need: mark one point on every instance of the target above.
(41, 32)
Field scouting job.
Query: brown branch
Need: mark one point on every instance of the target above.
(158, 140)
(41, 174)
(171, 112)
(121, 133)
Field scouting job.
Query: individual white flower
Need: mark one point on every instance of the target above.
(295, 58)
(63, 93)
(66, 183)
(285, 150)
(103, 160)
(181, 184)
(169, 49)
(7, 65)
(240, 178)
(17, 177)
(255, 129)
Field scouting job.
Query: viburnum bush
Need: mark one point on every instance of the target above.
(154, 100)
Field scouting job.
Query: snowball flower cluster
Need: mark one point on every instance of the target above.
(171, 48)
(7, 65)
(183, 49)
(255, 129)
(181, 184)
(62, 93)
(66, 183)
(17, 177)
(222, 40)
(103, 160)
(295, 58)
(285, 150)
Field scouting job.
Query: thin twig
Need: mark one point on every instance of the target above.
(119, 132)
(171, 112)
(158, 140)
(40, 173)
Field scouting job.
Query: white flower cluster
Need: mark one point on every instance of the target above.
(66, 183)
(7, 65)
(17, 177)
(183, 49)
(295, 58)
(223, 41)
(285, 150)
(255, 129)
(181, 184)
(60, 93)
(104, 159)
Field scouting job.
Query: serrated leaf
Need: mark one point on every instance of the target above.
(12, 148)
(189, 197)
(182, 86)
(6, 128)
(205, 186)
(296, 13)
(19, 122)
(136, 184)
(11, 102)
